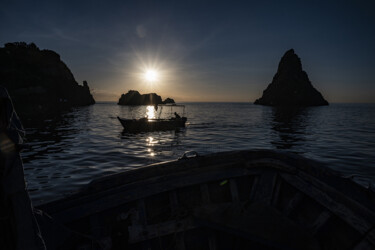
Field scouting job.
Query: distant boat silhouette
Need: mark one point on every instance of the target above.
(155, 124)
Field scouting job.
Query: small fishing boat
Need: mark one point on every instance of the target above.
(155, 124)
(144, 124)
(257, 199)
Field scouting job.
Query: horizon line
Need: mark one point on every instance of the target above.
(250, 102)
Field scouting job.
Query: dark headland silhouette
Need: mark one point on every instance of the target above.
(38, 81)
(291, 86)
(133, 97)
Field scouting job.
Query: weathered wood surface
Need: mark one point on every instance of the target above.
(344, 212)
(283, 184)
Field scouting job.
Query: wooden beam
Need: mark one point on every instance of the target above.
(293, 203)
(272, 164)
(141, 208)
(139, 233)
(180, 241)
(212, 241)
(364, 245)
(234, 190)
(265, 186)
(341, 210)
(276, 192)
(173, 201)
(367, 242)
(359, 208)
(254, 187)
(134, 191)
(322, 219)
(205, 193)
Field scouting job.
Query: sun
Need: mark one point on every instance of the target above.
(151, 75)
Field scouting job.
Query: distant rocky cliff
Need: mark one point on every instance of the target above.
(291, 86)
(133, 97)
(38, 81)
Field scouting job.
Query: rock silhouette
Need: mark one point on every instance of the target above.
(38, 81)
(168, 101)
(133, 97)
(291, 86)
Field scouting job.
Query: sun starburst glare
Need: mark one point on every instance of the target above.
(151, 75)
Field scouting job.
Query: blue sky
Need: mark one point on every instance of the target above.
(203, 51)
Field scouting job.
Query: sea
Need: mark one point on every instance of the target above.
(71, 149)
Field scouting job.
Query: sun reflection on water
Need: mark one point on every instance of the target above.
(150, 140)
(150, 143)
(151, 113)
(151, 152)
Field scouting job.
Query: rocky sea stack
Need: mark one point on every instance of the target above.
(291, 86)
(38, 81)
(133, 97)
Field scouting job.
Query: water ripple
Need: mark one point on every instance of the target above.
(72, 149)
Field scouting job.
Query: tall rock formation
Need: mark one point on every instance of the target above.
(291, 86)
(38, 81)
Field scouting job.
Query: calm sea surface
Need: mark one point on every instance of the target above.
(72, 149)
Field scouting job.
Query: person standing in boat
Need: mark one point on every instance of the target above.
(18, 226)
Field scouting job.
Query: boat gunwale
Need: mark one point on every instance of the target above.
(157, 171)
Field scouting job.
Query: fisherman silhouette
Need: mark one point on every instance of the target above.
(18, 227)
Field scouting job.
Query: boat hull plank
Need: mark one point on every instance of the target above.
(257, 222)
(358, 222)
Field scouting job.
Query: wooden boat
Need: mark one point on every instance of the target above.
(231, 200)
(144, 124)
(156, 124)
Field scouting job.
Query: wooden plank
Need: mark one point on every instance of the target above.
(205, 194)
(354, 205)
(371, 236)
(367, 241)
(364, 245)
(142, 220)
(173, 201)
(174, 170)
(212, 241)
(95, 226)
(254, 187)
(140, 190)
(293, 203)
(139, 233)
(272, 164)
(264, 188)
(141, 208)
(276, 192)
(180, 241)
(234, 190)
(242, 232)
(320, 221)
(346, 214)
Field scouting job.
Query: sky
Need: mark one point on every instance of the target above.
(202, 50)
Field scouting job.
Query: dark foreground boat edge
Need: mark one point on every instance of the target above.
(262, 199)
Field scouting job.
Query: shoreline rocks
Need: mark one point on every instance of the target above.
(291, 86)
(168, 101)
(133, 97)
(38, 81)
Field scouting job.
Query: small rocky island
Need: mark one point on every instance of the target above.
(38, 81)
(291, 86)
(133, 97)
